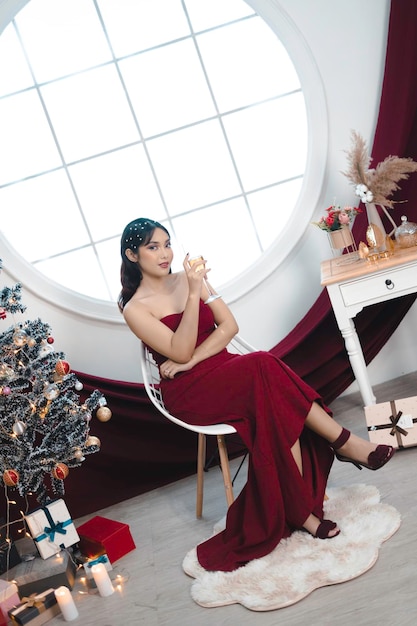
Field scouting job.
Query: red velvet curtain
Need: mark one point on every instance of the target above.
(140, 449)
(315, 349)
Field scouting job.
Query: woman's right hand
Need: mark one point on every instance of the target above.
(195, 274)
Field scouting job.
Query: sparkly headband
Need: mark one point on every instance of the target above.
(135, 235)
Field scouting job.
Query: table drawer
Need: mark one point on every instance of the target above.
(383, 285)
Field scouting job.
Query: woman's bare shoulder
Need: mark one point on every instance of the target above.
(145, 302)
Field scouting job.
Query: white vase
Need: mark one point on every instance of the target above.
(375, 234)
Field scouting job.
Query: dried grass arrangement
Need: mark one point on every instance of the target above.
(378, 184)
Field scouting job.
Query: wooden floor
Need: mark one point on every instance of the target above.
(157, 593)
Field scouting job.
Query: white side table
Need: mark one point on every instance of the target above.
(353, 286)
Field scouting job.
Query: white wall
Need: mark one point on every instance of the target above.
(346, 40)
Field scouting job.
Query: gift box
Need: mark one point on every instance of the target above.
(9, 556)
(26, 548)
(36, 609)
(8, 599)
(52, 528)
(105, 536)
(393, 423)
(88, 564)
(38, 575)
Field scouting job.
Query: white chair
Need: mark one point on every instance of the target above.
(151, 380)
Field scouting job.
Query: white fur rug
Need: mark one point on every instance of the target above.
(301, 563)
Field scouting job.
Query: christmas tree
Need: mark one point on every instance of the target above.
(44, 426)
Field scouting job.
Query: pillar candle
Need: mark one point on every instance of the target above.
(102, 579)
(66, 603)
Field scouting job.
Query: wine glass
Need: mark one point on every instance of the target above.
(194, 260)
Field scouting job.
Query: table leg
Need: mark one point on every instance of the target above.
(357, 361)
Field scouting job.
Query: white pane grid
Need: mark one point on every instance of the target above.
(42, 218)
(62, 37)
(90, 113)
(213, 232)
(271, 209)
(135, 25)
(194, 167)
(172, 74)
(113, 187)
(205, 15)
(27, 145)
(70, 270)
(268, 141)
(255, 68)
(13, 76)
(191, 132)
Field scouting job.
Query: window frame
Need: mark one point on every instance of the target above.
(288, 240)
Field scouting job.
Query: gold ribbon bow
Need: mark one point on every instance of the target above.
(33, 600)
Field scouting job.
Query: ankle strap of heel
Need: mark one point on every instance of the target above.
(341, 440)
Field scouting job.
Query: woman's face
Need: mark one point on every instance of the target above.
(156, 256)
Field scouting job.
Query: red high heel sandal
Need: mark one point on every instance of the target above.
(323, 530)
(376, 459)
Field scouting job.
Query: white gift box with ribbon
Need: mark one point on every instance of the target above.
(52, 528)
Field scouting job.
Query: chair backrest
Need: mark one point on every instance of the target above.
(151, 381)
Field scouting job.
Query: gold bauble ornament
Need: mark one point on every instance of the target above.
(104, 414)
(93, 441)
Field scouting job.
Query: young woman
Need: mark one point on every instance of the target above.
(291, 436)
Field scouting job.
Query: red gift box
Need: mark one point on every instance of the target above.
(105, 536)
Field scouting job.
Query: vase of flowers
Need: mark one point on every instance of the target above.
(336, 223)
(376, 186)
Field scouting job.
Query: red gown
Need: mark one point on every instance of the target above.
(267, 403)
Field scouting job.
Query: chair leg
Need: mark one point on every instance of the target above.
(224, 463)
(201, 461)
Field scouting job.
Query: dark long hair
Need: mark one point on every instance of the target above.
(137, 233)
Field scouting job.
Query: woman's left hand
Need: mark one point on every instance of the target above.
(169, 368)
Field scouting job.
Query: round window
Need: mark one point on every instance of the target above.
(187, 112)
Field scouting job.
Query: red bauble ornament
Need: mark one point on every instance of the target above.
(50, 340)
(62, 368)
(104, 414)
(60, 471)
(11, 477)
